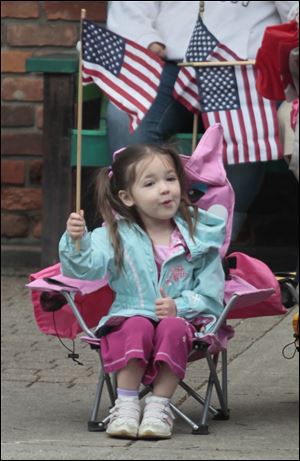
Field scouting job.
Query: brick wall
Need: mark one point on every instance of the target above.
(29, 28)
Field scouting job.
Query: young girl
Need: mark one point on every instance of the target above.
(162, 260)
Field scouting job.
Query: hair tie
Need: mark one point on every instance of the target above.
(117, 152)
(115, 155)
(110, 172)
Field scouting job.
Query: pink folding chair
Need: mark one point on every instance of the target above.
(65, 307)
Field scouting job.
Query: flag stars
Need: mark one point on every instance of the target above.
(103, 47)
(218, 89)
(201, 44)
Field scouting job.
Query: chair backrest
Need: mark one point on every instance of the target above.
(207, 181)
(253, 281)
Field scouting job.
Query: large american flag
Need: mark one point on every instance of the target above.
(228, 95)
(126, 72)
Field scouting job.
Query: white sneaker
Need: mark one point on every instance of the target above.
(124, 418)
(157, 422)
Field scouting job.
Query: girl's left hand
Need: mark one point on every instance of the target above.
(165, 306)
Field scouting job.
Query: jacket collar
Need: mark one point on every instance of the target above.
(195, 246)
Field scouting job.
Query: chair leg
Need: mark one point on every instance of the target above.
(224, 378)
(212, 363)
(145, 391)
(197, 397)
(213, 381)
(179, 413)
(93, 424)
(224, 412)
(203, 426)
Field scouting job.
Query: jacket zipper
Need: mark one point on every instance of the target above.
(162, 274)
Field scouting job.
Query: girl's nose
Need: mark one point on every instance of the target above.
(164, 188)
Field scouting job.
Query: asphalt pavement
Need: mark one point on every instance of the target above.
(46, 398)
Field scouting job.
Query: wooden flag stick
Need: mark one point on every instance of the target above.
(79, 126)
(250, 62)
(195, 131)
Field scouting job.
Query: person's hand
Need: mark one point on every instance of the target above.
(76, 225)
(158, 48)
(165, 306)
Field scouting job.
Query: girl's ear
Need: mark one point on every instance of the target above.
(126, 198)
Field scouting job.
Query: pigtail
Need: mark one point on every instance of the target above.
(190, 214)
(107, 207)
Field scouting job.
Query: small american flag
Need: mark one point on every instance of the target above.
(186, 89)
(126, 72)
(228, 96)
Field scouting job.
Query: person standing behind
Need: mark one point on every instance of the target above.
(166, 28)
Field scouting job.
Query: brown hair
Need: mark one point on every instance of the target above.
(121, 176)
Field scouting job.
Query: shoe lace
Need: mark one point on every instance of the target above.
(125, 409)
(160, 411)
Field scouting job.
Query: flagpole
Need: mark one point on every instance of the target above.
(79, 126)
(196, 115)
(250, 62)
(209, 64)
(195, 131)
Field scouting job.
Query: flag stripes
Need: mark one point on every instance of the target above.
(126, 72)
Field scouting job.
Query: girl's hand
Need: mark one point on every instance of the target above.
(165, 306)
(158, 48)
(76, 225)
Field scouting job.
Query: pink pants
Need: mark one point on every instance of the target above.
(168, 341)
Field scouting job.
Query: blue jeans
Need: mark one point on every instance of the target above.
(246, 180)
(167, 117)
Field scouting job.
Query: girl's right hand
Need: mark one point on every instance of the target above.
(76, 225)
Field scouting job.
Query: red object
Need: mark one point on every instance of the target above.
(63, 323)
(272, 60)
(253, 272)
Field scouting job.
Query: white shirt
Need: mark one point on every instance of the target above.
(238, 25)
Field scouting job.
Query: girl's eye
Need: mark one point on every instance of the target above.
(172, 178)
(148, 184)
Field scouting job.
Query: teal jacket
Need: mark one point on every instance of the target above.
(196, 284)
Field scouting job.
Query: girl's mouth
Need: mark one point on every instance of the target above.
(167, 203)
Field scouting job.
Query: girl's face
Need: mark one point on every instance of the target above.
(156, 191)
